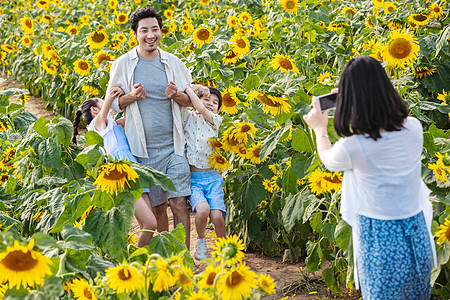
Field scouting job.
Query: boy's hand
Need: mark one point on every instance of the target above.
(116, 91)
(171, 90)
(203, 90)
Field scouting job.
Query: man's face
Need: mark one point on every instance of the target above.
(211, 103)
(148, 35)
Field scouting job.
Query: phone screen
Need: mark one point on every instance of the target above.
(327, 101)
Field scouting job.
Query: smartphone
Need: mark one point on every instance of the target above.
(326, 101)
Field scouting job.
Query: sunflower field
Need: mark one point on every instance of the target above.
(268, 57)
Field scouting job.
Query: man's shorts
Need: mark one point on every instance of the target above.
(176, 167)
(207, 187)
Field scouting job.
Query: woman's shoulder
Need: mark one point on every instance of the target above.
(413, 124)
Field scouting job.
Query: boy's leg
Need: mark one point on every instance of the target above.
(146, 220)
(201, 218)
(216, 216)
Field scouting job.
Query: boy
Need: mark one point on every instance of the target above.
(207, 196)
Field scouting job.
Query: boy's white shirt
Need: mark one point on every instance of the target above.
(122, 74)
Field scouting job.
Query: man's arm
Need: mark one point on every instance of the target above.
(181, 98)
(138, 93)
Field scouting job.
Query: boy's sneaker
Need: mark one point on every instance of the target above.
(201, 252)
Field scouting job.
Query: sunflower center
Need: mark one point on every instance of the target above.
(234, 279)
(28, 23)
(285, 64)
(220, 160)
(183, 279)
(98, 37)
(241, 43)
(228, 101)
(124, 274)
(73, 31)
(102, 58)
(122, 18)
(210, 279)
(203, 34)
(83, 65)
(290, 4)
(87, 293)
(256, 152)
(242, 150)
(390, 9)
(245, 128)
(19, 261)
(420, 17)
(230, 54)
(436, 9)
(400, 48)
(332, 179)
(267, 101)
(115, 175)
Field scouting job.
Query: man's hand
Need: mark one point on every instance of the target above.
(138, 92)
(171, 90)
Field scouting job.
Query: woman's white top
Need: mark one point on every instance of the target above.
(382, 178)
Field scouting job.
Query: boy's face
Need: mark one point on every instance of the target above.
(148, 35)
(211, 103)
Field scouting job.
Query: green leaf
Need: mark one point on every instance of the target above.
(252, 194)
(272, 140)
(74, 208)
(301, 163)
(167, 244)
(251, 82)
(93, 138)
(312, 260)
(300, 141)
(60, 129)
(49, 152)
(76, 239)
(290, 182)
(293, 210)
(329, 277)
(328, 230)
(316, 222)
(41, 128)
(43, 241)
(343, 234)
(312, 205)
(149, 177)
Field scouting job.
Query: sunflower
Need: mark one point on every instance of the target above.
(90, 90)
(168, 13)
(423, 71)
(443, 234)
(43, 4)
(102, 56)
(402, 50)
(84, 20)
(218, 162)
(436, 11)
(114, 176)
(290, 6)
(236, 282)
(26, 40)
(337, 26)
(215, 144)
(46, 18)
(204, 2)
(243, 130)
(9, 48)
(183, 277)
(240, 44)
(254, 153)
(394, 26)
(272, 104)
(284, 63)
(82, 290)
(231, 57)
(208, 276)
(245, 18)
(115, 45)
(21, 265)
(97, 39)
(201, 295)
(82, 67)
(6, 157)
(49, 67)
(233, 22)
(113, 4)
(443, 97)
(325, 78)
(266, 284)
(419, 19)
(378, 3)
(4, 127)
(164, 279)
(322, 182)
(202, 35)
(124, 279)
(438, 171)
(230, 100)
(187, 28)
(369, 23)
(389, 7)
(121, 18)
(72, 30)
(348, 10)
(229, 250)
(27, 25)
(270, 185)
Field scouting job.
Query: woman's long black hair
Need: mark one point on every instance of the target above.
(367, 100)
(85, 112)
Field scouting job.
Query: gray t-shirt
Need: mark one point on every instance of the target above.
(156, 108)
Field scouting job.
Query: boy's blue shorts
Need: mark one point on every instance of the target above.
(207, 187)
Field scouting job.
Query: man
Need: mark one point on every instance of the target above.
(152, 113)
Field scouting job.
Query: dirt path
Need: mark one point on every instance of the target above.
(291, 280)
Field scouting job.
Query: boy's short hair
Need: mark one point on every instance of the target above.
(143, 13)
(216, 92)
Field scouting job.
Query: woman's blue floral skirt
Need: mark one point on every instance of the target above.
(395, 258)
